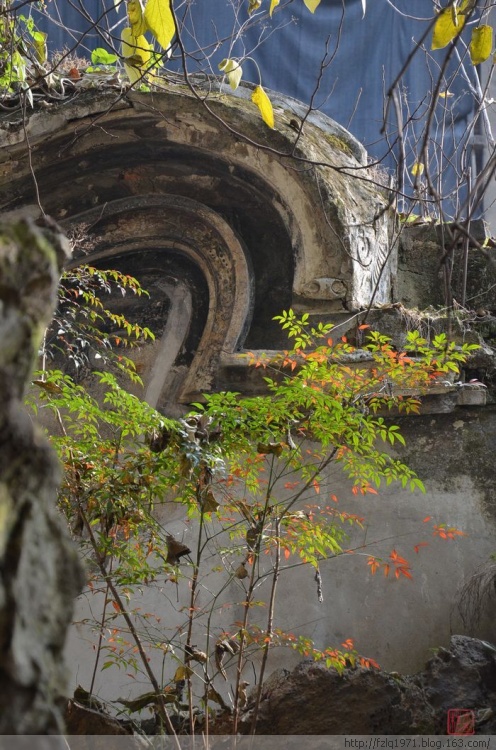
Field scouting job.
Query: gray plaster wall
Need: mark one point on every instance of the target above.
(396, 622)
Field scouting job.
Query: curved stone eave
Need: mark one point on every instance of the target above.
(314, 203)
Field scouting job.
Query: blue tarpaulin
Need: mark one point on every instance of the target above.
(354, 57)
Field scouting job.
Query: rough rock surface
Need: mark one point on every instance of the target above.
(316, 700)
(39, 573)
(83, 720)
(463, 676)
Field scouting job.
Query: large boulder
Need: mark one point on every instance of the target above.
(315, 700)
(39, 572)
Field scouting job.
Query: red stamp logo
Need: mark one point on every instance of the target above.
(461, 721)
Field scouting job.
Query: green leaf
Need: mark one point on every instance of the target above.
(481, 44)
(160, 21)
(260, 98)
(448, 25)
(100, 56)
(312, 5)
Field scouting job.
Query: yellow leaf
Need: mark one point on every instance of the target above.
(160, 21)
(182, 673)
(260, 98)
(226, 65)
(233, 71)
(273, 4)
(417, 168)
(136, 17)
(128, 45)
(234, 77)
(448, 25)
(467, 6)
(137, 52)
(138, 48)
(312, 5)
(253, 5)
(481, 44)
(39, 42)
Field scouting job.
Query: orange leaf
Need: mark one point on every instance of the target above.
(116, 606)
(316, 486)
(369, 663)
(374, 564)
(387, 568)
(397, 559)
(418, 546)
(348, 643)
(286, 553)
(363, 327)
(427, 518)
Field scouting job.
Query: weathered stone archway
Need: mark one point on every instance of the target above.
(269, 222)
(134, 226)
